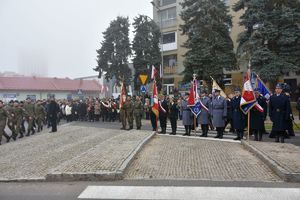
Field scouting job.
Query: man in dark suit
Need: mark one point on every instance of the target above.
(173, 115)
(238, 117)
(53, 110)
(163, 114)
(257, 118)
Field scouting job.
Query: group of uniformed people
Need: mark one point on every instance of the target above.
(220, 111)
(215, 114)
(15, 114)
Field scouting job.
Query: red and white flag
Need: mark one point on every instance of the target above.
(153, 72)
(248, 99)
(155, 105)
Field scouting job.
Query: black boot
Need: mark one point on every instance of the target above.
(33, 132)
(282, 139)
(21, 135)
(186, 131)
(277, 138)
(28, 133)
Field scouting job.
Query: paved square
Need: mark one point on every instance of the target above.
(167, 157)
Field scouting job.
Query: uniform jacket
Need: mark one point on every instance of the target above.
(257, 118)
(173, 114)
(238, 117)
(187, 115)
(204, 116)
(279, 111)
(219, 111)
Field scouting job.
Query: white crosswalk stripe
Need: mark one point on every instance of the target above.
(180, 131)
(189, 193)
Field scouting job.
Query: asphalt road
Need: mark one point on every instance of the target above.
(71, 190)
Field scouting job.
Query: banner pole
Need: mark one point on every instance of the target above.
(249, 126)
(195, 125)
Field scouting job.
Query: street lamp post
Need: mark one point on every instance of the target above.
(161, 39)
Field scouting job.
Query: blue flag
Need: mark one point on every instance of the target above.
(263, 89)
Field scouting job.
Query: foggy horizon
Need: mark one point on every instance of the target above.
(58, 38)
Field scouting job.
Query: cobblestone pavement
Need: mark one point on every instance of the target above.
(33, 157)
(167, 157)
(286, 155)
(107, 156)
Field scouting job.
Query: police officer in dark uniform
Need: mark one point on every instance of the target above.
(173, 115)
(53, 110)
(163, 113)
(257, 118)
(238, 117)
(279, 112)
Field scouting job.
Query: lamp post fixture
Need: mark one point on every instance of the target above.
(161, 39)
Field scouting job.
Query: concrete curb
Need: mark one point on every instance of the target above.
(100, 175)
(283, 173)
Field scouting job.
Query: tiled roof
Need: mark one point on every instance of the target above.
(47, 84)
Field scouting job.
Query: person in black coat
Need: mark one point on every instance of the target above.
(257, 118)
(279, 112)
(53, 110)
(238, 117)
(173, 115)
(163, 114)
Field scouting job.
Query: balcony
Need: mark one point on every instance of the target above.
(169, 70)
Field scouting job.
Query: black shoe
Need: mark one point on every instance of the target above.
(186, 134)
(237, 138)
(217, 136)
(14, 138)
(122, 128)
(7, 140)
(21, 136)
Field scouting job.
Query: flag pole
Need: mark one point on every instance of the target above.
(248, 127)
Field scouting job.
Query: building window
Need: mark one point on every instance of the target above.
(31, 96)
(169, 38)
(168, 17)
(167, 2)
(227, 79)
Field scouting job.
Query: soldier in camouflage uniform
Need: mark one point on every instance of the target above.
(138, 112)
(19, 114)
(129, 112)
(30, 110)
(3, 119)
(40, 114)
(10, 122)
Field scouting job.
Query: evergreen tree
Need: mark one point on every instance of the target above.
(210, 48)
(115, 49)
(145, 46)
(272, 36)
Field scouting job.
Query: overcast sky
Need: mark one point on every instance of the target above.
(58, 38)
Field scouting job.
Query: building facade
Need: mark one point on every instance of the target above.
(36, 88)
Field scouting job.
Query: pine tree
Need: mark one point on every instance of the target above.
(272, 36)
(115, 49)
(210, 48)
(145, 46)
